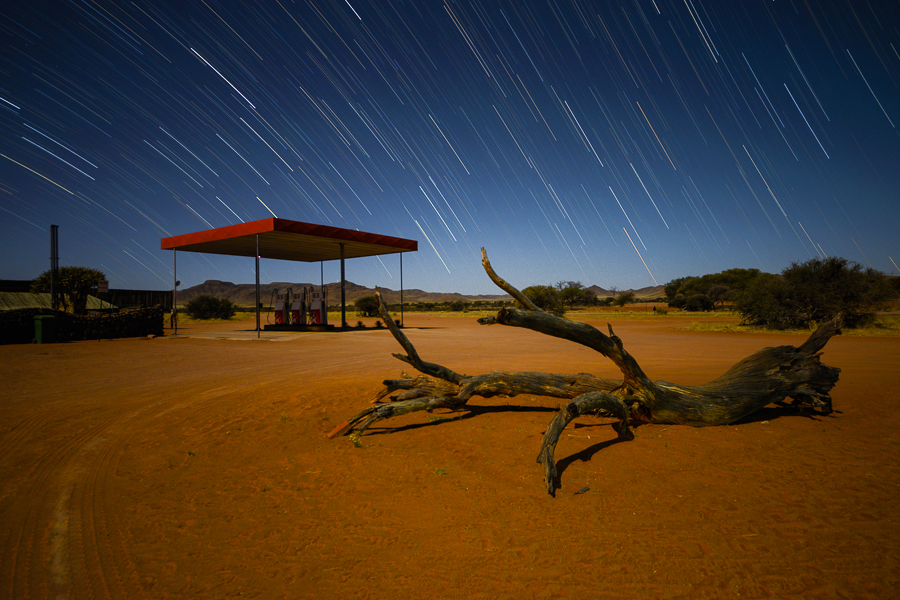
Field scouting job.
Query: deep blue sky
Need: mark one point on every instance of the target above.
(601, 142)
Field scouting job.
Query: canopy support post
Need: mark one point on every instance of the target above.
(343, 294)
(401, 289)
(54, 267)
(174, 290)
(257, 286)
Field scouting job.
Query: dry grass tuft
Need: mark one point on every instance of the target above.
(884, 326)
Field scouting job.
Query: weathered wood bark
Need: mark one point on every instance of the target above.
(770, 375)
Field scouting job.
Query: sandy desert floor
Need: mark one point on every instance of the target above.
(197, 466)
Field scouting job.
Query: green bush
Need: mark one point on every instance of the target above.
(210, 307)
(698, 303)
(624, 298)
(546, 297)
(367, 306)
(459, 306)
(573, 293)
(720, 288)
(814, 292)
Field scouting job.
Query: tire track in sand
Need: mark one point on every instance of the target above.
(60, 525)
(58, 538)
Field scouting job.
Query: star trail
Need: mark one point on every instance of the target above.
(618, 144)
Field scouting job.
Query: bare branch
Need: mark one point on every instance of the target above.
(412, 357)
(506, 287)
(769, 376)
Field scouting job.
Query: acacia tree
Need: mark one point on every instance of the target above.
(770, 375)
(673, 288)
(573, 293)
(367, 306)
(73, 283)
(813, 292)
(719, 294)
(718, 288)
(547, 298)
(624, 298)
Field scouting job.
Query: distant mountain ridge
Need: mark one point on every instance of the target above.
(653, 291)
(244, 294)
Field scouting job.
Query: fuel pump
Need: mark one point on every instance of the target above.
(280, 308)
(298, 307)
(318, 307)
(288, 294)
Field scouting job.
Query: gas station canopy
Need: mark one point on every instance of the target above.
(288, 240)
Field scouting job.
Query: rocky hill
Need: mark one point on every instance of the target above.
(645, 293)
(244, 294)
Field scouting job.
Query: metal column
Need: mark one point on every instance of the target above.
(54, 267)
(257, 285)
(175, 290)
(343, 295)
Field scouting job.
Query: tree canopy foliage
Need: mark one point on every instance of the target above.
(561, 297)
(623, 298)
(73, 285)
(547, 298)
(706, 292)
(573, 293)
(814, 292)
(367, 306)
(736, 280)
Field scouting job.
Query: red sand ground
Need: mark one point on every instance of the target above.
(186, 467)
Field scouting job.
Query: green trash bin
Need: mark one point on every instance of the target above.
(44, 329)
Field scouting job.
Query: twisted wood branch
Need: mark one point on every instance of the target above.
(767, 376)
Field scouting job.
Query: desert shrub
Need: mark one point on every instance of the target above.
(813, 292)
(672, 288)
(698, 303)
(720, 287)
(210, 307)
(678, 301)
(624, 298)
(720, 294)
(573, 293)
(546, 297)
(367, 306)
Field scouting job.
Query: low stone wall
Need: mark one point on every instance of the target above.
(17, 326)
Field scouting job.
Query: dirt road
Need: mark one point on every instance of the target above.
(190, 467)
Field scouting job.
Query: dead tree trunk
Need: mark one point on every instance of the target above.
(770, 375)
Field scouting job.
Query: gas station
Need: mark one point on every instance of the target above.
(295, 310)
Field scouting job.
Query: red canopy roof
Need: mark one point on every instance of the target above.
(288, 240)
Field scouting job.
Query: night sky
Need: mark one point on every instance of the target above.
(612, 143)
